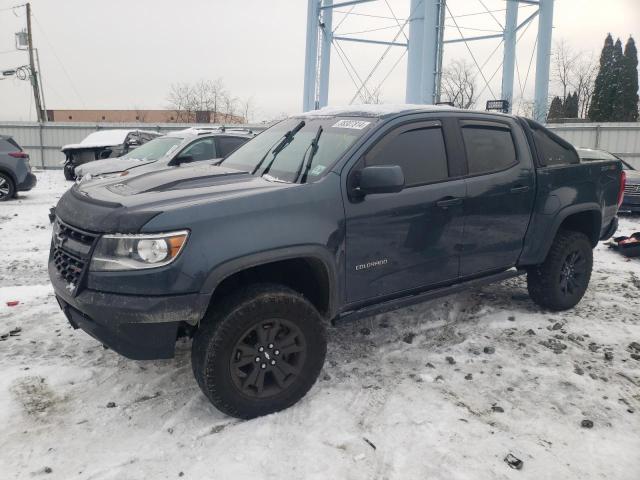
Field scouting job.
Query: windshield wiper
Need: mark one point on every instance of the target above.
(287, 138)
(305, 164)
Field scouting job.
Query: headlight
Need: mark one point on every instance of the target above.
(136, 252)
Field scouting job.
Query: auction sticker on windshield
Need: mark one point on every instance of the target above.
(353, 124)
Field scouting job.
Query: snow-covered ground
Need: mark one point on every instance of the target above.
(444, 390)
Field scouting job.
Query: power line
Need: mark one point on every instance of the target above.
(346, 14)
(369, 30)
(491, 13)
(53, 50)
(368, 15)
(466, 44)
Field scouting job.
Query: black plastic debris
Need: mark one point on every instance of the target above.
(513, 461)
(586, 423)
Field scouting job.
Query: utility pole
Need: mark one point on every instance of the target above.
(32, 67)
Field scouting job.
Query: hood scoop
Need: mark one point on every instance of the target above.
(178, 179)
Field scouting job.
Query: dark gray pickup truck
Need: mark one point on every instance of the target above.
(334, 214)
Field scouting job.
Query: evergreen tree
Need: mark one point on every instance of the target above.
(556, 110)
(600, 107)
(570, 106)
(615, 84)
(630, 82)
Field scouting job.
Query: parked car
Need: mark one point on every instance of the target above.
(15, 169)
(174, 149)
(334, 214)
(631, 200)
(101, 145)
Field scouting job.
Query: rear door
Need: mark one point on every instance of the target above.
(403, 241)
(197, 151)
(226, 145)
(500, 185)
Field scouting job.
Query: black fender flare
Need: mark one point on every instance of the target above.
(565, 213)
(317, 252)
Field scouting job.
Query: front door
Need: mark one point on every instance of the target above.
(402, 241)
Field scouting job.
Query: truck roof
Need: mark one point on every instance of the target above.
(376, 111)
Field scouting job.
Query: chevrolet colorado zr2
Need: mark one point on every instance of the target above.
(331, 214)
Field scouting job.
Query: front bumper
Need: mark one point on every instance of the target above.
(28, 183)
(135, 326)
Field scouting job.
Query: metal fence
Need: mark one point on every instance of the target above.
(43, 141)
(621, 139)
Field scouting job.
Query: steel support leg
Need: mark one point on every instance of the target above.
(543, 60)
(509, 58)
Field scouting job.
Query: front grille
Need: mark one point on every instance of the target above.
(632, 190)
(71, 252)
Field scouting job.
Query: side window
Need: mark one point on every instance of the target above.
(203, 149)
(226, 145)
(489, 149)
(420, 152)
(552, 150)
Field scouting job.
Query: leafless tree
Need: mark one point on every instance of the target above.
(246, 107)
(181, 100)
(458, 84)
(573, 70)
(203, 96)
(584, 77)
(373, 98)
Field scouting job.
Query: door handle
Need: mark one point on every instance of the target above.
(520, 189)
(449, 202)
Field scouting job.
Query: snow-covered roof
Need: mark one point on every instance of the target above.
(380, 110)
(104, 138)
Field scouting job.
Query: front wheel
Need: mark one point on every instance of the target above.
(560, 282)
(259, 352)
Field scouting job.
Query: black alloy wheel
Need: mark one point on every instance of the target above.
(268, 358)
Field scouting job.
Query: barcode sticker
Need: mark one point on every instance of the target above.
(353, 124)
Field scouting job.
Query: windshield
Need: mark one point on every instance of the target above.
(337, 136)
(154, 149)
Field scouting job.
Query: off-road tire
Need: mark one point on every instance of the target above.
(69, 172)
(8, 187)
(215, 346)
(545, 281)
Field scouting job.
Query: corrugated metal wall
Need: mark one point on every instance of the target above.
(43, 141)
(622, 139)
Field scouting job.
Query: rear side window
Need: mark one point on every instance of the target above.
(9, 145)
(199, 150)
(420, 152)
(226, 145)
(489, 149)
(552, 150)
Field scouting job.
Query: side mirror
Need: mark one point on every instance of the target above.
(183, 159)
(380, 179)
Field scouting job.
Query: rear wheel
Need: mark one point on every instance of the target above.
(259, 352)
(561, 281)
(7, 187)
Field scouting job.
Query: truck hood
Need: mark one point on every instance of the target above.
(125, 204)
(110, 166)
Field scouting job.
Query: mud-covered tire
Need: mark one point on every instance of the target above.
(290, 332)
(560, 282)
(69, 172)
(7, 188)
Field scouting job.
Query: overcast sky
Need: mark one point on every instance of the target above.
(126, 54)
